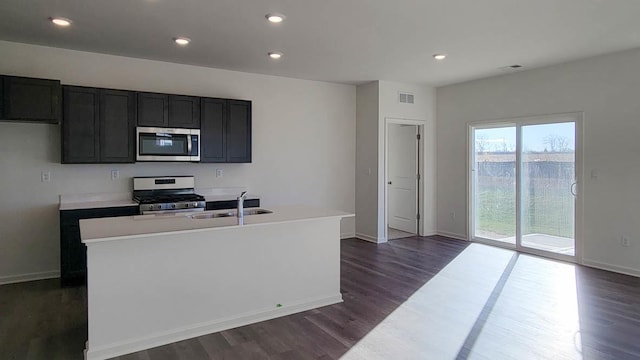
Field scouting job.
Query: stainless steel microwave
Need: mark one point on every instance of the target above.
(167, 144)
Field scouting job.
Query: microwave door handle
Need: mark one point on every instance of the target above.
(189, 146)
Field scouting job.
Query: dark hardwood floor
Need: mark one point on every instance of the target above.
(412, 298)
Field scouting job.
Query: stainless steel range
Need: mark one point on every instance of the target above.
(167, 194)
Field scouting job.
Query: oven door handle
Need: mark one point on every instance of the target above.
(189, 145)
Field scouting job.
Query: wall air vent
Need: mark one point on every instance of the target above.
(406, 98)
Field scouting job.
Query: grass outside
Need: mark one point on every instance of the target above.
(548, 207)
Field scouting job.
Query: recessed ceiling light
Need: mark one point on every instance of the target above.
(275, 18)
(275, 55)
(439, 56)
(182, 41)
(60, 21)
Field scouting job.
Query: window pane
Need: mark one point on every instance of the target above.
(548, 172)
(495, 184)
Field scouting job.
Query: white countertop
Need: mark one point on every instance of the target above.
(106, 200)
(116, 228)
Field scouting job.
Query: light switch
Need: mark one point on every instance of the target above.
(115, 174)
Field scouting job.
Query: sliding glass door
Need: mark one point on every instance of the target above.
(523, 184)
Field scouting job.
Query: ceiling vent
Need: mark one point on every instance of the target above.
(513, 67)
(406, 98)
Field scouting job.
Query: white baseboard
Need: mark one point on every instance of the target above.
(453, 235)
(29, 277)
(615, 268)
(368, 238)
(168, 337)
(347, 235)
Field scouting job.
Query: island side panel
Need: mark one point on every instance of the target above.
(153, 290)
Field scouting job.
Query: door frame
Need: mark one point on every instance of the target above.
(420, 124)
(518, 122)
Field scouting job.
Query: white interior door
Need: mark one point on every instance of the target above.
(402, 177)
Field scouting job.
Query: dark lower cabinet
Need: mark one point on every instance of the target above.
(73, 253)
(226, 131)
(232, 204)
(30, 99)
(98, 126)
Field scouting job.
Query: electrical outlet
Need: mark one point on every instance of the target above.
(453, 215)
(219, 173)
(115, 174)
(624, 241)
(45, 176)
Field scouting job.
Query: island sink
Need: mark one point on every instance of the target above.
(231, 213)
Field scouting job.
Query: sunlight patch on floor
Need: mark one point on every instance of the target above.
(536, 315)
(435, 321)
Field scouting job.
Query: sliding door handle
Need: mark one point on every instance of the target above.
(574, 188)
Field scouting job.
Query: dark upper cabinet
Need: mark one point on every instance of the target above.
(80, 125)
(153, 109)
(117, 126)
(184, 111)
(238, 129)
(162, 110)
(98, 125)
(31, 99)
(213, 147)
(225, 131)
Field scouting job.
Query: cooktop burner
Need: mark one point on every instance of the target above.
(167, 194)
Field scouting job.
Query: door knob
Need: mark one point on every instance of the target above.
(389, 183)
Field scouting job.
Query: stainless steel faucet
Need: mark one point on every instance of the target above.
(240, 212)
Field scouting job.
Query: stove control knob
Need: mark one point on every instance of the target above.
(173, 206)
(195, 204)
(158, 206)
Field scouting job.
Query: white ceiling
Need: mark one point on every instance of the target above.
(348, 41)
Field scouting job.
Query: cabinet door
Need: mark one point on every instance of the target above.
(153, 109)
(238, 129)
(80, 125)
(2, 115)
(184, 111)
(117, 126)
(212, 130)
(73, 256)
(31, 99)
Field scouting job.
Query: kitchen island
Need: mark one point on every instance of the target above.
(154, 279)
